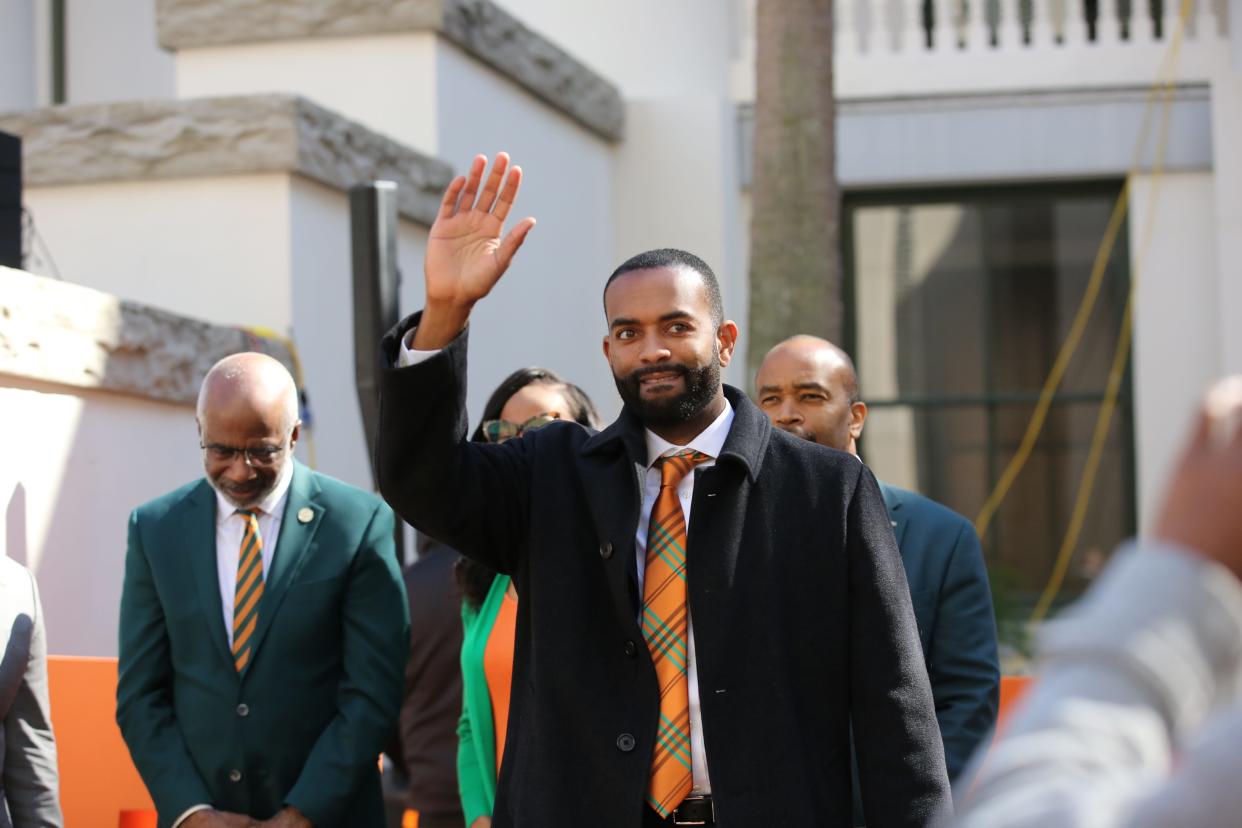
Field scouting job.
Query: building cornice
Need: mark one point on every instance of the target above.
(66, 334)
(481, 28)
(199, 137)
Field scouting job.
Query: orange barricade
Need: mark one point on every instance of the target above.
(99, 787)
(1012, 689)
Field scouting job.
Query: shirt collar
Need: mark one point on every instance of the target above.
(710, 441)
(273, 504)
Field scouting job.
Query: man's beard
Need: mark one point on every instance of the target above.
(701, 385)
(245, 497)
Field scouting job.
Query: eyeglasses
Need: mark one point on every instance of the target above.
(255, 456)
(497, 431)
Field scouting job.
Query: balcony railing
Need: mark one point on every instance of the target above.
(955, 26)
(903, 48)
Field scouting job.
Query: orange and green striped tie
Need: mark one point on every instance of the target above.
(666, 629)
(249, 589)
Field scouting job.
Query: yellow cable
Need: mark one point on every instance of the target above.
(1122, 352)
(1078, 326)
(308, 435)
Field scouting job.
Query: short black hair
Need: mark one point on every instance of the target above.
(583, 412)
(674, 258)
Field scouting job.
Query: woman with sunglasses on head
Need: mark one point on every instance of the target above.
(528, 399)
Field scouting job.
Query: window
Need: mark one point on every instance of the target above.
(960, 303)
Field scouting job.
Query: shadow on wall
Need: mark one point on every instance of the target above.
(15, 526)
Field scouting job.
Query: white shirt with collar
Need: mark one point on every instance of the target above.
(710, 441)
(230, 529)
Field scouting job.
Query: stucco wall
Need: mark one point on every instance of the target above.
(17, 55)
(214, 248)
(97, 35)
(1177, 345)
(75, 465)
(384, 81)
(546, 311)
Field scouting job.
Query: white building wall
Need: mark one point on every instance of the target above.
(1177, 345)
(1227, 229)
(113, 54)
(648, 48)
(216, 249)
(386, 82)
(17, 55)
(75, 464)
(264, 251)
(547, 310)
(675, 184)
(322, 296)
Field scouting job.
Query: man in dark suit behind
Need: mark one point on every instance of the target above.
(709, 676)
(808, 387)
(427, 732)
(263, 626)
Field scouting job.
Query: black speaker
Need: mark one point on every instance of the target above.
(377, 281)
(10, 200)
(373, 232)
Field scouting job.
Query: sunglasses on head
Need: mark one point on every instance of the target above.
(497, 431)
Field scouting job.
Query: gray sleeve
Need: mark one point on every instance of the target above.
(1130, 676)
(31, 784)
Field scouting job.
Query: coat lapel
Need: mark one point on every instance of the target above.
(896, 515)
(302, 517)
(199, 531)
(717, 520)
(609, 465)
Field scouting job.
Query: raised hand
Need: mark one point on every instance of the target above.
(466, 254)
(1202, 508)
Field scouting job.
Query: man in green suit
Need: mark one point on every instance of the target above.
(264, 626)
(808, 387)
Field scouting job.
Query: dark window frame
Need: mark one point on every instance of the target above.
(982, 194)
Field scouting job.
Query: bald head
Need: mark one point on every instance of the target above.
(248, 424)
(251, 380)
(808, 387)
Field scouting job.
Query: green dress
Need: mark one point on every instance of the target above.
(476, 733)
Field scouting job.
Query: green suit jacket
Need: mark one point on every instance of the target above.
(304, 724)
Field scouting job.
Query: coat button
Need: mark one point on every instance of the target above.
(625, 743)
(605, 550)
(234, 775)
(631, 649)
(243, 710)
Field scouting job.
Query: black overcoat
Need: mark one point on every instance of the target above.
(802, 616)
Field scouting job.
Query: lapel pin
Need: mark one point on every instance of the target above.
(305, 515)
(891, 521)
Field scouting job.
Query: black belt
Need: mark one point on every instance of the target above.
(693, 810)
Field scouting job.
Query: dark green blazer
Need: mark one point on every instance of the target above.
(953, 606)
(305, 722)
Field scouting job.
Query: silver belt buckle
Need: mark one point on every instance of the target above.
(711, 813)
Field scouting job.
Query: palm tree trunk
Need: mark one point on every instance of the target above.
(795, 263)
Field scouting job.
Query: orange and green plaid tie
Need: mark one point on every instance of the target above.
(666, 629)
(249, 589)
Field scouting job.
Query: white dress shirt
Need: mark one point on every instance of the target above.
(230, 529)
(710, 441)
